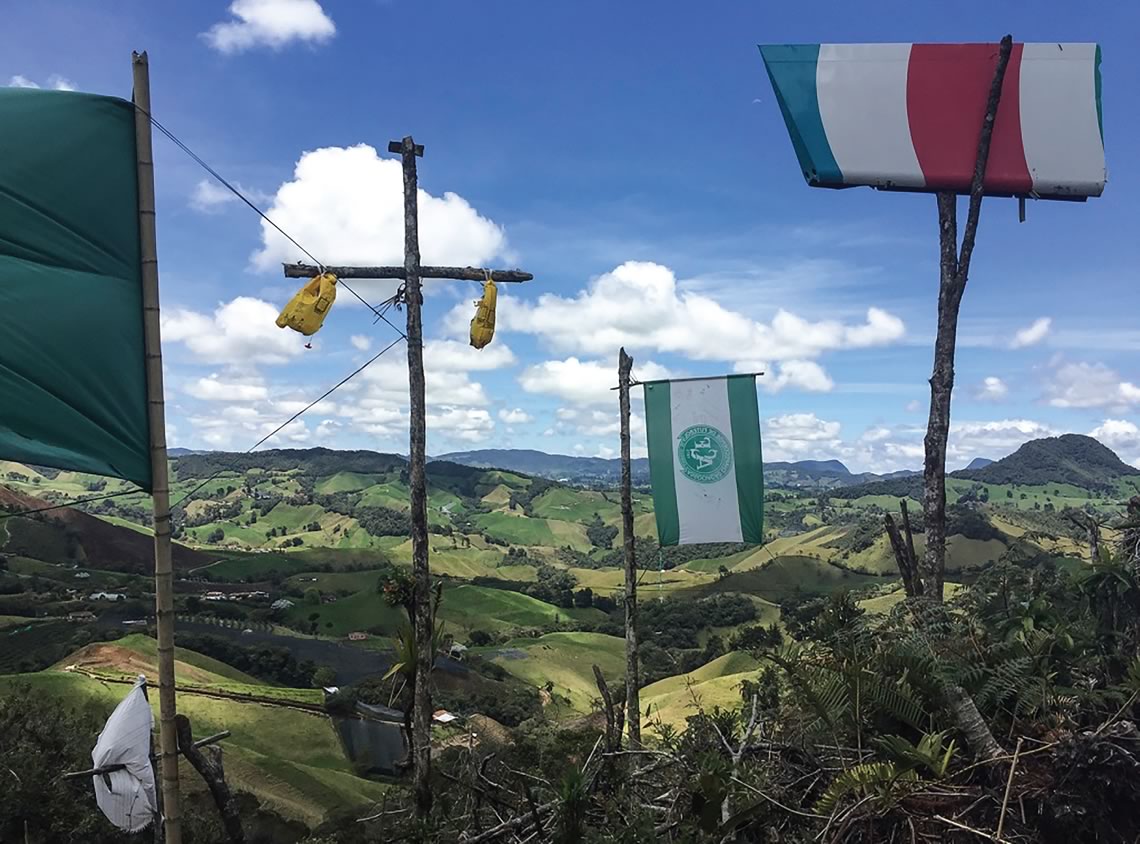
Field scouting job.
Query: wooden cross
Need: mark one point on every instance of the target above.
(412, 274)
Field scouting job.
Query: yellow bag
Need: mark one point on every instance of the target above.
(483, 325)
(307, 310)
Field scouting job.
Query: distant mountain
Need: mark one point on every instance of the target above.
(554, 466)
(1068, 459)
(802, 474)
(979, 463)
(181, 452)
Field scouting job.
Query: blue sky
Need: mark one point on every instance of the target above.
(633, 158)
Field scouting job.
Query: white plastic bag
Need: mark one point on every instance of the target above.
(130, 803)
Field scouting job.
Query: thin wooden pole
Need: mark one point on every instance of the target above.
(160, 482)
(632, 674)
(954, 269)
(417, 482)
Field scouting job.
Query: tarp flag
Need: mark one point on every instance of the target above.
(908, 116)
(704, 460)
(72, 365)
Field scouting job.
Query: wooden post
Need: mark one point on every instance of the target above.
(954, 269)
(632, 675)
(417, 481)
(210, 769)
(160, 483)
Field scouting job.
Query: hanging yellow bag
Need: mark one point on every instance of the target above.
(483, 325)
(307, 310)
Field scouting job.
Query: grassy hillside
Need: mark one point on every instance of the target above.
(566, 661)
(717, 683)
(291, 760)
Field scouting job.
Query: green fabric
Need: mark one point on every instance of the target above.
(72, 381)
(749, 464)
(660, 442)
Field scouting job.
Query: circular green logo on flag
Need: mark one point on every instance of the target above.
(704, 454)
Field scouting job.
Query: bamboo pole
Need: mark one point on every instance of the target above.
(417, 482)
(632, 675)
(160, 482)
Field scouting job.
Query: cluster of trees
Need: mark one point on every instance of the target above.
(383, 521)
(554, 585)
(600, 534)
(265, 662)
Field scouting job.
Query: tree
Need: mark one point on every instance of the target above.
(479, 638)
(324, 676)
(722, 572)
(600, 534)
(584, 597)
(312, 596)
(215, 536)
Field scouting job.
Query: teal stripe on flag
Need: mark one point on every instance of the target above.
(749, 463)
(792, 69)
(659, 432)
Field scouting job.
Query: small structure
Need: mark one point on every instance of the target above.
(456, 651)
(82, 575)
(134, 622)
(83, 617)
(442, 716)
(281, 604)
(106, 596)
(357, 636)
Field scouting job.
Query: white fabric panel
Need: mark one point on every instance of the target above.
(707, 512)
(862, 103)
(1059, 127)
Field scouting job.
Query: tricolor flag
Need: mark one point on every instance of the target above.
(908, 116)
(704, 460)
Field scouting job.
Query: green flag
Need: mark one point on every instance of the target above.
(704, 460)
(72, 379)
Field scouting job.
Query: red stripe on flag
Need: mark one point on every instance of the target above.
(946, 90)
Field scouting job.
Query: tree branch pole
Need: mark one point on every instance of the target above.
(954, 270)
(455, 273)
(632, 674)
(159, 472)
(209, 767)
(417, 481)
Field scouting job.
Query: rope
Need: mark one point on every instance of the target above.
(232, 189)
(260, 442)
(290, 420)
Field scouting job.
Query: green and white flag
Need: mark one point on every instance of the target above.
(704, 460)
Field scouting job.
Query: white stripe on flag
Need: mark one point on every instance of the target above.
(1062, 145)
(869, 135)
(707, 512)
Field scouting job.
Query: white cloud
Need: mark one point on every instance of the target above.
(515, 416)
(55, 82)
(270, 23)
(360, 342)
(1090, 385)
(210, 197)
(585, 382)
(913, 406)
(799, 374)
(215, 388)
(240, 332)
(1032, 334)
(639, 305)
(346, 205)
(875, 435)
(797, 436)
(993, 439)
(992, 388)
(462, 423)
(1122, 436)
